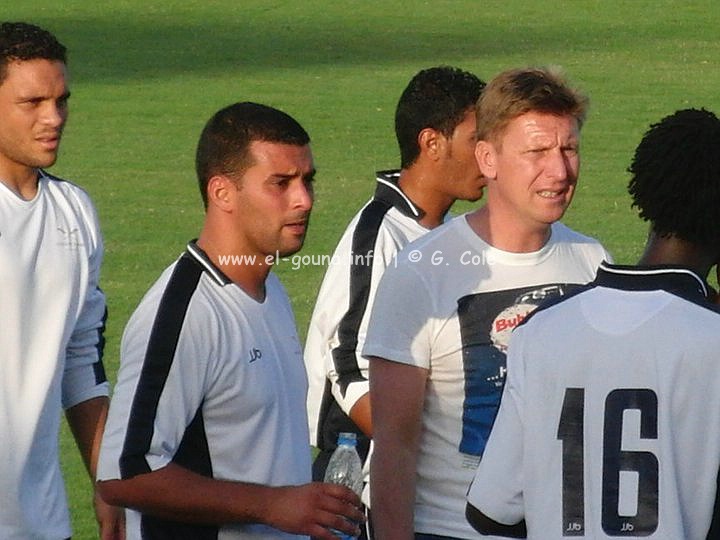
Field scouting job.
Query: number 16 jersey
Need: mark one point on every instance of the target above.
(609, 424)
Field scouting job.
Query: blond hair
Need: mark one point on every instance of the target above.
(518, 91)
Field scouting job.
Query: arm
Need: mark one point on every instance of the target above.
(309, 509)
(361, 414)
(85, 387)
(87, 421)
(484, 525)
(397, 392)
(348, 370)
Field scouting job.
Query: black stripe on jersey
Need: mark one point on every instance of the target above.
(363, 244)
(681, 282)
(389, 191)
(332, 420)
(192, 454)
(99, 367)
(714, 532)
(99, 372)
(202, 258)
(156, 366)
(387, 195)
(153, 528)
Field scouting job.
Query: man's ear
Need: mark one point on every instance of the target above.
(220, 192)
(486, 157)
(432, 143)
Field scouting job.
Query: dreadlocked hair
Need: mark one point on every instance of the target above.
(675, 181)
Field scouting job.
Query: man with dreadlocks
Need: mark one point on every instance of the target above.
(609, 423)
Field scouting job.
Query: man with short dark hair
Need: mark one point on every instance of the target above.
(609, 421)
(207, 435)
(52, 312)
(435, 130)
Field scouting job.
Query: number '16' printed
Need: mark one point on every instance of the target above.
(615, 460)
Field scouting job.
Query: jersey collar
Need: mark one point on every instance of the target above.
(194, 252)
(389, 192)
(682, 282)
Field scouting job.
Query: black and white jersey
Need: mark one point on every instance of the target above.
(609, 423)
(213, 381)
(52, 315)
(337, 371)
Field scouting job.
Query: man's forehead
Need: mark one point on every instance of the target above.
(28, 73)
(283, 155)
(20, 65)
(262, 147)
(538, 124)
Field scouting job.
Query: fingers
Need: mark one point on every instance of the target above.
(336, 523)
(113, 530)
(316, 509)
(341, 492)
(343, 502)
(339, 509)
(111, 519)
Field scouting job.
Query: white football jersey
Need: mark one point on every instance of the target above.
(610, 419)
(212, 380)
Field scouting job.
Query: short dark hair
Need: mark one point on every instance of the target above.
(675, 180)
(21, 41)
(224, 145)
(437, 98)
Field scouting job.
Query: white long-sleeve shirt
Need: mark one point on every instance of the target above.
(51, 321)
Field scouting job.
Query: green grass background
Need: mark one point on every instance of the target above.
(147, 74)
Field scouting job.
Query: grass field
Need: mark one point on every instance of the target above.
(147, 74)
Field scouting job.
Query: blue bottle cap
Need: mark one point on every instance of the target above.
(349, 439)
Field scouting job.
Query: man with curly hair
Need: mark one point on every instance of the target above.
(609, 423)
(52, 312)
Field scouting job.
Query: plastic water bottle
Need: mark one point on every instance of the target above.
(345, 468)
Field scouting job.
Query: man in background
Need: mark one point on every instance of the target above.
(52, 312)
(609, 419)
(435, 129)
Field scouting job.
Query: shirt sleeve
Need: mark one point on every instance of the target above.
(84, 376)
(161, 384)
(400, 327)
(339, 323)
(607, 256)
(497, 489)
